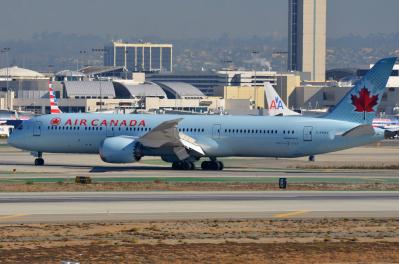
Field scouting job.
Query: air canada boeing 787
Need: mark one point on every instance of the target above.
(184, 139)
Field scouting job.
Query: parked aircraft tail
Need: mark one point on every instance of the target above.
(275, 104)
(361, 102)
(53, 101)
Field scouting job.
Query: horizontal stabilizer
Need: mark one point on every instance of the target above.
(362, 130)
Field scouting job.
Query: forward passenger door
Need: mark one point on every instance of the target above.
(307, 133)
(37, 128)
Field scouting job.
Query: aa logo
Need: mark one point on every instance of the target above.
(276, 104)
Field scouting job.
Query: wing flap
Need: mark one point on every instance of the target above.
(164, 133)
(167, 135)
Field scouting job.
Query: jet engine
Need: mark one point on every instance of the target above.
(120, 150)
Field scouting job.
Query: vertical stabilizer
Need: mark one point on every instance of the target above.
(53, 101)
(361, 102)
(275, 105)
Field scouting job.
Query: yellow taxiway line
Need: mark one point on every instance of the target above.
(289, 214)
(7, 217)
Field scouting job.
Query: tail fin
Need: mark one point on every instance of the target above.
(275, 104)
(53, 101)
(361, 102)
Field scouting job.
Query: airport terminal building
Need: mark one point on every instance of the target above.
(139, 57)
(96, 88)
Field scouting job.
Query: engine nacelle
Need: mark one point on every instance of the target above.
(120, 150)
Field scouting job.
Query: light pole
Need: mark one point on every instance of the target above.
(226, 63)
(281, 54)
(101, 52)
(82, 54)
(255, 53)
(50, 66)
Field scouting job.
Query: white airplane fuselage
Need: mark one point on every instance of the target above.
(219, 136)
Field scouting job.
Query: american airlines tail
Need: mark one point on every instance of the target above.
(275, 104)
(53, 104)
(361, 102)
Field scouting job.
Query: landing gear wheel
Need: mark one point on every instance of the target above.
(175, 165)
(39, 162)
(312, 158)
(220, 165)
(183, 165)
(205, 165)
(212, 165)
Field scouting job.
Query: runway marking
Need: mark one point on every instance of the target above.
(295, 213)
(7, 217)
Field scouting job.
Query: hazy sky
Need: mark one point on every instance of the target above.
(185, 18)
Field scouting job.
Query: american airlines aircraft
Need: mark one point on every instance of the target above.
(275, 105)
(184, 139)
(53, 100)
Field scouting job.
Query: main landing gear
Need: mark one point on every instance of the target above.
(212, 165)
(312, 158)
(183, 165)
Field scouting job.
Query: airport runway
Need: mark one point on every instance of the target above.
(114, 206)
(19, 164)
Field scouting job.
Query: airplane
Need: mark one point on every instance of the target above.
(278, 108)
(275, 105)
(184, 139)
(388, 124)
(53, 101)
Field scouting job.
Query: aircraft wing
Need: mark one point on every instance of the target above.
(166, 134)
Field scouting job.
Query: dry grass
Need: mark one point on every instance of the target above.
(210, 241)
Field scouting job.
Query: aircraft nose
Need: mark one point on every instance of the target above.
(14, 139)
(11, 140)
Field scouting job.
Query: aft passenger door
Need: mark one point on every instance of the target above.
(307, 133)
(216, 131)
(37, 128)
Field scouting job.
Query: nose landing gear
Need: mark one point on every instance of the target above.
(39, 161)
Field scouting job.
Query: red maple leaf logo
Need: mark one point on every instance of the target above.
(364, 102)
(55, 121)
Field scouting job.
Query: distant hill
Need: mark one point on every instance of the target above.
(71, 51)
